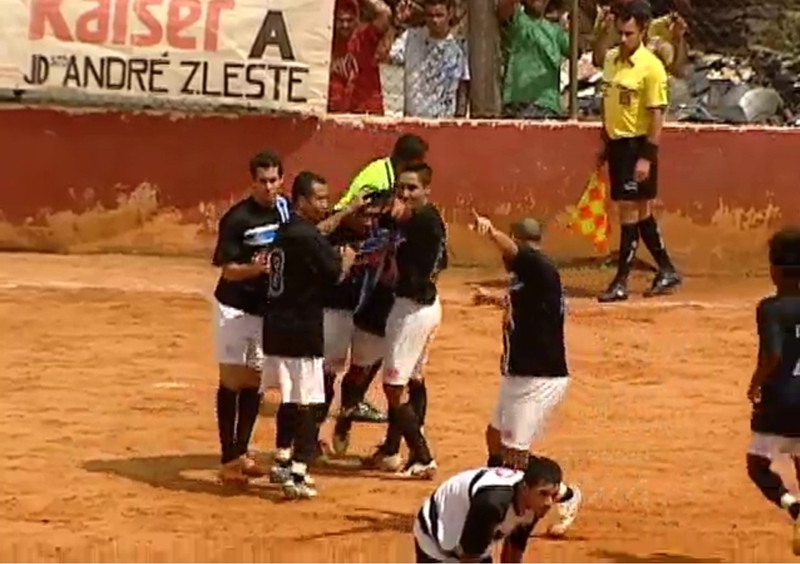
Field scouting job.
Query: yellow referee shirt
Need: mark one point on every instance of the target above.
(377, 176)
(631, 88)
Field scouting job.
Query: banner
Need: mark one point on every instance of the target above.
(274, 54)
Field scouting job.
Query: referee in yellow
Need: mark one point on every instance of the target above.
(634, 101)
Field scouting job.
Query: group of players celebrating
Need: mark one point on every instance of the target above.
(303, 288)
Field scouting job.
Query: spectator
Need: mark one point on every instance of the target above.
(666, 36)
(355, 79)
(534, 49)
(436, 81)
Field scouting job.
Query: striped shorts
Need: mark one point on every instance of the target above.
(523, 407)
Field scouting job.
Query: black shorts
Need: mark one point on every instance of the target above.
(622, 157)
(423, 556)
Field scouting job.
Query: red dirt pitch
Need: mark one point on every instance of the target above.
(108, 437)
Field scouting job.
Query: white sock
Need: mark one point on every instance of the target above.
(787, 500)
(299, 468)
(283, 455)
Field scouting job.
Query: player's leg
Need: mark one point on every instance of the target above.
(367, 349)
(308, 392)
(759, 469)
(527, 404)
(408, 333)
(366, 412)
(250, 395)
(231, 342)
(338, 336)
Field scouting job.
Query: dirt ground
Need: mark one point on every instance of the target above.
(109, 437)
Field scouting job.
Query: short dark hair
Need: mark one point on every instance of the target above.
(265, 159)
(409, 147)
(542, 470)
(303, 185)
(449, 4)
(638, 10)
(784, 251)
(423, 170)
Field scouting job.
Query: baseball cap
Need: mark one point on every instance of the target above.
(527, 229)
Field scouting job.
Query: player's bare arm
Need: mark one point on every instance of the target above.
(330, 224)
(483, 296)
(514, 546)
(504, 243)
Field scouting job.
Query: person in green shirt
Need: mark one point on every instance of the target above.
(378, 176)
(534, 49)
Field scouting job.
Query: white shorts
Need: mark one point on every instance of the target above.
(300, 380)
(237, 337)
(367, 348)
(523, 407)
(339, 330)
(768, 446)
(409, 332)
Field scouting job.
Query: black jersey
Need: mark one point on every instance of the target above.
(344, 296)
(421, 255)
(533, 323)
(304, 266)
(778, 322)
(245, 229)
(471, 512)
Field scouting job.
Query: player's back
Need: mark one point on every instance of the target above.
(778, 412)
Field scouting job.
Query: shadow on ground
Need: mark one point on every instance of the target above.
(169, 472)
(369, 521)
(656, 557)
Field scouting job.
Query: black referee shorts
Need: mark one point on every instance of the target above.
(622, 156)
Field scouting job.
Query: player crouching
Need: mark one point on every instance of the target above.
(775, 386)
(475, 510)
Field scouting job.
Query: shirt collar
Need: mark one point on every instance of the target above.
(635, 56)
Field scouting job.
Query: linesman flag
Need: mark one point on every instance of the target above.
(590, 217)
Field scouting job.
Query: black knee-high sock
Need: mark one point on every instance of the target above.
(305, 439)
(409, 427)
(285, 422)
(226, 423)
(369, 377)
(249, 402)
(418, 398)
(324, 409)
(628, 243)
(394, 434)
(494, 461)
(353, 391)
(648, 229)
(771, 485)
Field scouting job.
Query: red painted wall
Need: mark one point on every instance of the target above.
(719, 186)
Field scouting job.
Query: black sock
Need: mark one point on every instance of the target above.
(409, 427)
(418, 398)
(495, 461)
(305, 434)
(771, 485)
(249, 402)
(285, 423)
(648, 229)
(353, 392)
(394, 433)
(226, 423)
(372, 371)
(628, 243)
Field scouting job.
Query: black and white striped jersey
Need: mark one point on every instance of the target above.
(470, 513)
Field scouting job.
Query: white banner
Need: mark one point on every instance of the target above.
(267, 53)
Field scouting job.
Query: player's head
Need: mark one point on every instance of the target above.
(540, 485)
(438, 15)
(310, 196)
(784, 258)
(266, 170)
(345, 21)
(632, 19)
(409, 149)
(411, 189)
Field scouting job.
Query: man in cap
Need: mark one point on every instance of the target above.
(534, 374)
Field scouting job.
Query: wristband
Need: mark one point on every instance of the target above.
(649, 152)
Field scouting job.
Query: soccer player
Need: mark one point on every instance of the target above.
(634, 101)
(245, 231)
(534, 375)
(303, 267)
(414, 317)
(775, 386)
(378, 176)
(475, 510)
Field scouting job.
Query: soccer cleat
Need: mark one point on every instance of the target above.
(616, 292)
(232, 473)
(366, 413)
(279, 474)
(384, 462)
(664, 283)
(567, 512)
(341, 442)
(419, 470)
(299, 489)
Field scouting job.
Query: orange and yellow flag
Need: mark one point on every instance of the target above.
(590, 217)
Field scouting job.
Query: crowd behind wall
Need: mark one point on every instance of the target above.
(419, 50)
